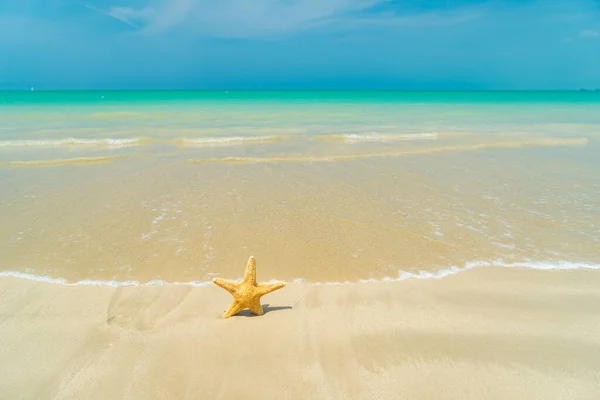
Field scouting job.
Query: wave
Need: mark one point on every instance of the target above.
(544, 266)
(139, 141)
(63, 161)
(69, 142)
(91, 282)
(378, 137)
(407, 152)
(228, 140)
(402, 275)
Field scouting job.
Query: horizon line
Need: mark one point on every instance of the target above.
(33, 90)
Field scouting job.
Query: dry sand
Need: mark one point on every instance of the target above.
(488, 333)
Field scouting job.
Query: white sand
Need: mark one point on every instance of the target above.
(488, 333)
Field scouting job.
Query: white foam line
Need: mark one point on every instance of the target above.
(546, 266)
(90, 282)
(402, 275)
(229, 140)
(379, 137)
(72, 142)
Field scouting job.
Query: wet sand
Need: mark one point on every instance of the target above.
(493, 333)
(164, 218)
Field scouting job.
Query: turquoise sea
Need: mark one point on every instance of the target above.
(321, 185)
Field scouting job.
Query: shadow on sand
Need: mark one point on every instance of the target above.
(267, 308)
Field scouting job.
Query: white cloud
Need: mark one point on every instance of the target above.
(171, 13)
(243, 18)
(260, 17)
(133, 17)
(583, 35)
(427, 19)
(589, 34)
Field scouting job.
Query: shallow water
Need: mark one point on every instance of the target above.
(324, 186)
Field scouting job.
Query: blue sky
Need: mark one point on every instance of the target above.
(304, 44)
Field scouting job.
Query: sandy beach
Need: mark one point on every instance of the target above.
(436, 245)
(493, 333)
(299, 199)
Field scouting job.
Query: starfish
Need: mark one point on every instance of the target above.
(247, 293)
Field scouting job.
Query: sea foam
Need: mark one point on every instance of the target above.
(381, 137)
(228, 140)
(402, 275)
(106, 142)
(93, 282)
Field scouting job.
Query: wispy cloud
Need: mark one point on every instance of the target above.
(132, 17)
(425, 19)
(589, 34)
(122, 14)
(497, 44)
(585, 34)
(242, 18)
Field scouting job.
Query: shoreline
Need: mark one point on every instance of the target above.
(487, 333)
(402, 275)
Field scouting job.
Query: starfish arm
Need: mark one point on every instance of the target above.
(233, 309)
(250, 275)
(265, 288)
(231, 287)
(256, 307)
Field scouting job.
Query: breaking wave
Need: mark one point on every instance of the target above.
(71, 142)
(140, 141)
(228, 140)
(379, 137)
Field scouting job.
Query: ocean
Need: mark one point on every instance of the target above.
(126, 188)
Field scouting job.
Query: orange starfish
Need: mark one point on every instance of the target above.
(247, 293)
